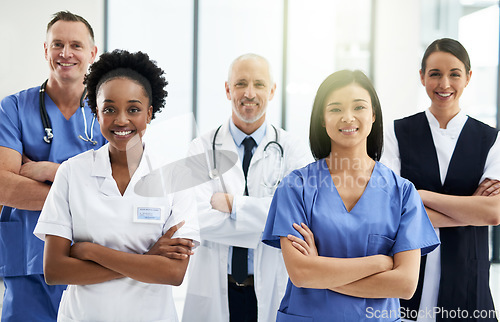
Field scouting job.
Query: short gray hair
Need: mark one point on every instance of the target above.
(250, 56)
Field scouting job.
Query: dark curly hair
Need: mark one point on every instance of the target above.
(135, 66)
(319, 140)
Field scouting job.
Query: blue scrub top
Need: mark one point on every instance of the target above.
(21, 129)
(388, 218)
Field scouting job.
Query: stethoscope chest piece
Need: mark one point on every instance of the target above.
(48, 126)
(213, 174)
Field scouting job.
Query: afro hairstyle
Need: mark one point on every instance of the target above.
(135, 66)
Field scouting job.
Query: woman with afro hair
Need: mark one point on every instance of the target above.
(113, 247)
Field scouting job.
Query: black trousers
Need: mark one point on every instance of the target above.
(242, 303)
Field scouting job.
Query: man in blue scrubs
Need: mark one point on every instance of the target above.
(29, 159)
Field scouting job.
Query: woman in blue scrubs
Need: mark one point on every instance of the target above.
(351, 231)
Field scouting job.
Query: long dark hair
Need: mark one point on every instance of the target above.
(319, 140)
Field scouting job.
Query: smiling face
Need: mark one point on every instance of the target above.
(348, 116)
(69, 51)
(249, 89)
(445, 79)
(123, 111)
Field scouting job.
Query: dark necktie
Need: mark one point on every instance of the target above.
(240, 255)
(249, 144)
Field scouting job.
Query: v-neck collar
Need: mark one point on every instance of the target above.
(49, 103)
(368, 184)
(101, 167)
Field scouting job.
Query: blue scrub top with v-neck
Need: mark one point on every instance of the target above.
(21, 253)
(21, 129)
(388, 218)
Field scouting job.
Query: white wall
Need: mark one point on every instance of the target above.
(405, 28)
(401, 27)
(23, 24)
(397, 58)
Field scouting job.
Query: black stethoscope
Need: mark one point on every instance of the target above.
(48, 126)
(214, 173)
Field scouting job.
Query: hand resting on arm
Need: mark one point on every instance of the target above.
(377, 276)
(87, 263)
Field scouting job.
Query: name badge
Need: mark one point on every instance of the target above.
(152, 215)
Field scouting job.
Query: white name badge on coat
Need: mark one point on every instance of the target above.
(151, 215)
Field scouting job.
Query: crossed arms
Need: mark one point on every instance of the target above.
(377, 276)
(480, 209)
(86, 263)
(23, 181)
(382, 276)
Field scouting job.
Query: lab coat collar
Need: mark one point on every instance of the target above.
(270, 136)
(224, 140)
(239, 136)
(101, 167)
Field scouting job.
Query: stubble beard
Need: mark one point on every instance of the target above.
(246, 119)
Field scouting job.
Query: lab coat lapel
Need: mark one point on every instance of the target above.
(259, 152)
(101, 168)
(142, 171)
(225, 142)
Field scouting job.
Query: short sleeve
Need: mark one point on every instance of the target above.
(55, 218)
(415, 229)
(390, 154)
(492, 165)
(287, 208)
(10, 133)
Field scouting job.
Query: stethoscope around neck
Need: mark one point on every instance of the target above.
(48, 126)
(213, 173)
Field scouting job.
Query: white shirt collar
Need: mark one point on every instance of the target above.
(454, 126)
(238, 135)
(102, 165)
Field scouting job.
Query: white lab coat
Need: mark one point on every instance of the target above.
(207, 294)
(84, 204)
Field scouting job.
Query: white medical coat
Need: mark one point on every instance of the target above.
(207, 294)
(84, 204)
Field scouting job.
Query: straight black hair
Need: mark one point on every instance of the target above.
(319, 140)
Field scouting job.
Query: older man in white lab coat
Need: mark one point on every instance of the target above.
(233, 206)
